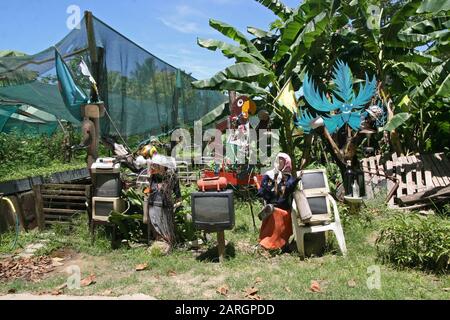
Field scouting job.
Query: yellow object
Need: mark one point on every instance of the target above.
(249, 107)
(287, 97)
(149, 151)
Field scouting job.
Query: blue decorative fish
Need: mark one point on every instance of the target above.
(345, 106)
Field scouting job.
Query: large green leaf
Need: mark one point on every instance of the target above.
(228, 50)
(299, 20)
(231, 84)
(237, 36)
(242, 71)
(398, 21)
(434, 6)
(444, 88)
(398, 120)
(425, 31)
(305, 40)
(258, 33)
(433, 77)
(277, 7)
(237, 77)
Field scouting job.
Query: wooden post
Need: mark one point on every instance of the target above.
(91, 37)
(88, 191)
(232, 97)
(39, 207)
(221, 245)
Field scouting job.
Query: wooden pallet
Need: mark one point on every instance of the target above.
(415, 174)
(185, 173)
(59, 203)
(373, 176)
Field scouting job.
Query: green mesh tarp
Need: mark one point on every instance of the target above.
(26, 120)
(6, 112)
(140, 91)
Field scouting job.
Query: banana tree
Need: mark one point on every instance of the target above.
(389, 36)
(266, 63)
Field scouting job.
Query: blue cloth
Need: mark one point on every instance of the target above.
(278, 199)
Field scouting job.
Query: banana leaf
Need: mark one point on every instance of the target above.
(398, 120)
(237, 36)
(277, 7)
(228, 50)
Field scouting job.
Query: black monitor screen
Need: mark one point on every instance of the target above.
(318, 204)
(212, 209)
(313, 180)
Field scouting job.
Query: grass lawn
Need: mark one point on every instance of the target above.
(187, 274)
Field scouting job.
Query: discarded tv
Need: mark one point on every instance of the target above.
(213, 211)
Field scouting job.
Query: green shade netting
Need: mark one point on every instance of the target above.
(26, 120)
(5, 114)
(142, 93)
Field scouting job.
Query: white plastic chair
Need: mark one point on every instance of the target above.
(320, 222)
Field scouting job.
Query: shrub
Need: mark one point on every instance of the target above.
(410, 240)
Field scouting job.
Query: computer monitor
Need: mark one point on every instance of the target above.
(320, 208)
(315, 181)
(213, 211)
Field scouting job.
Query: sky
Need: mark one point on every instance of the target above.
(168, 29)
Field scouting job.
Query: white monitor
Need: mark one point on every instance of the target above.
(315, 182)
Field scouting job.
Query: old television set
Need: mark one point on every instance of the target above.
(102, 207)
(315, 181)
(213, 211)
(106, 178)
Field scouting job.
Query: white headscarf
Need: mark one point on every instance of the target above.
(276, 170)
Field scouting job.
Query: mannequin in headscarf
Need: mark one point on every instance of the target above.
(164, 185)
(276, 189)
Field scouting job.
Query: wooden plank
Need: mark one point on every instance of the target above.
(89, 192)
(62, 211)
(398, 175)
(437, 179)
(64, 192)
(446, 163)
(380, 169)
(64, 186)
(373, 170)
(427, 172)
(410, 185)
(64, 197)
(58, 222)
(418, 174)
(367, 179)
(424, 196)
(49, 218)
(50, 204)
(440, 166)
(39, 207)
(390, 183)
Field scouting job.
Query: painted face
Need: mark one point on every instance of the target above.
(281, 164)
(346, 108)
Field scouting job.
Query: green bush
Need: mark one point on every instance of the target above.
(24, 156)
(410, 240)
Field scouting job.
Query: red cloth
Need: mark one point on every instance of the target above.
(276, 230)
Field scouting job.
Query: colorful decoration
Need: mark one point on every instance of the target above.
(345, 106)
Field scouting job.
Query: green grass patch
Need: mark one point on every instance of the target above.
(189, 274)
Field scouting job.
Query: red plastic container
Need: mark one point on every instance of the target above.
(212, 184)
(233, 179)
